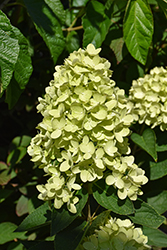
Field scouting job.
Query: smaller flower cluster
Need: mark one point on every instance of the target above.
(149, 96)
(116, 234)
(127, 177)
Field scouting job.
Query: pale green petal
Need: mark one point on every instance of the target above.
(77, 111)
(58, 203)
(122, 193)
(119, 183)
(56, 134)
(110, 180)
(64, 166)
(91, 50)
(110, 148)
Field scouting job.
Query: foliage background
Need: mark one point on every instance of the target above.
(36, 35)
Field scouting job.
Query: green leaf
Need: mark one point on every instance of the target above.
(95, 23)
(163, 6)
(9, 51)
(70, 237)
(100, 220)
(23, 67)
(7, 232)
(147, 142)
(57, 8)
(15, 246)
(106, 196)
(48, 23)
(146, 215)
(138, 29)
(5, 175)
(161, 148)
(72, 41)
(22, 206)
(5, 193)
(155, 237)
(61, 218)
(38, 245)
(158, 170)
(11, 99)
(158, 201)
(16, 156)
(40, 217)
(22, 141)
(161, 144)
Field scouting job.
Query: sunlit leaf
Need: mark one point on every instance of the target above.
(9, 51)
(7, 232)
(138, 29)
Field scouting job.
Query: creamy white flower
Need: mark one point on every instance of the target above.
(149, 97)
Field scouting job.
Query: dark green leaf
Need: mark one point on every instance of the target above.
(158, 170)
(95, 23)
(158, 201)
(163, 5)
(38, 245)
(9, 51)
(5, 175)
(23, 67)
(106, 196)
(48, 24)
(146, 215)
(155, 237)
(16, 156)
(7, 232)
(61, 218)
(5, 193)
(138, 29)
(70, 237)
(161, 148)
(147, 142)
(72, 41)
(40, 217)
(13, 93)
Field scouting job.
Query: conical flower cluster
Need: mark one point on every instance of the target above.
(149, 96)
(116, 234)
(84, 131)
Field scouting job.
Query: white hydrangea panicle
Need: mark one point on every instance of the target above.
(85, 125)
(116, 234)
(149, 97)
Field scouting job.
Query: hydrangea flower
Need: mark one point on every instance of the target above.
(116, 234)
(149, 96)
(84, 130)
